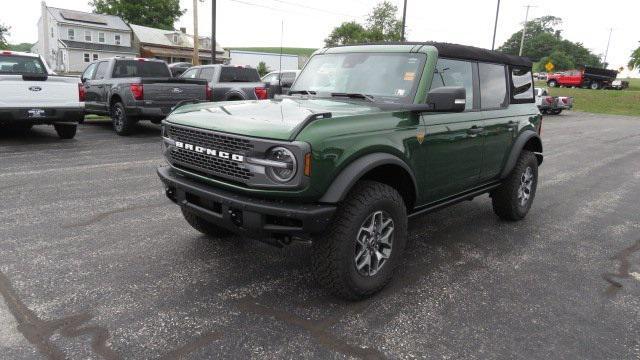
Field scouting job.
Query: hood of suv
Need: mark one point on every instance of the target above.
(273, 119)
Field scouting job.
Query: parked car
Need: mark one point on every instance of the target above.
(369, 136)
(31, 94)
(178, 68)
(619, 84)
(553, 105)
(130, 90)
(589, 77)
(280, 82)
(230, 82)
(542, 76)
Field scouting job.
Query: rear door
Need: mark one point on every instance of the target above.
(499, 123)
(452, 148)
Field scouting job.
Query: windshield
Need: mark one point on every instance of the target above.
(21, 65)
(390, 76)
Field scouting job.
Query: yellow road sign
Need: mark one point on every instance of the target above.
(549, 66)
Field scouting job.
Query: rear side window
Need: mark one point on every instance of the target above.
(101, 71)
(239, 74)
(21, 65)
(493, 86)
(521, 85)
(454, 73)
(143, 69)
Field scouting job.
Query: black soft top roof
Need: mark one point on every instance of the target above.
(457, 51)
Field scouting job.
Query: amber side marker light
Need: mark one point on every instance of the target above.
(307, 164)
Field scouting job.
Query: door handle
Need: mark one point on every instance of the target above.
(475, 130)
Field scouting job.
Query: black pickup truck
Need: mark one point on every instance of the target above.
(130, 90)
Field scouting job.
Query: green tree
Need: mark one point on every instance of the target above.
(4, 31)
(634, 62)
(153, 13)
(381, 25)
(560, 60)
(263, 69)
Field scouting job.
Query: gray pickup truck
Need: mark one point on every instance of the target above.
(230, 82)
(130, 90)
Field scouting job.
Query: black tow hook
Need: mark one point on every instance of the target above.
(236, 216)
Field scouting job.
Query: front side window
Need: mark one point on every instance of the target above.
(21, 65)
(71, 34)
(493, 86)
(101, 71)
(88, 73)
(388, 76)
(190, 74)
(87, 35)
(454, 73)
(207, 73)
(521, 85)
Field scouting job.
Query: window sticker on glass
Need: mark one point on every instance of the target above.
(400, 92)
(412, 60)
(409, 76)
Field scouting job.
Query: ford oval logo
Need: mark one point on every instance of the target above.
(35, 88)
(176, 90)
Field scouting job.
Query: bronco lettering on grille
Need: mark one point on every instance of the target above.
(210, 152)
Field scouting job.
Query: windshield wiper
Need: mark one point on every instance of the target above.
(303, 92)
(354, 96)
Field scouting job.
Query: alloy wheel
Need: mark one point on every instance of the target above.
(374, 243)
(526, 185)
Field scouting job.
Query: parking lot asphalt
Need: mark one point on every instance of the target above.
(96, 263)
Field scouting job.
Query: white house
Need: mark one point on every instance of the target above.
(69, 40)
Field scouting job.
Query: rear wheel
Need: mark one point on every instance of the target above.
(203, 225)
(122, 124)
(366, 241)
(66, 131)
(552, 83)
(513, 199)
(594, 85)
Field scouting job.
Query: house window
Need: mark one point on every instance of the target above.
(51, 32)
(175, 38)
(87, 36)
(117, 38)
(87, 58)
(95, 57)
(101, 37)
(71, 34)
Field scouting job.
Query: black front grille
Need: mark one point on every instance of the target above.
(210, 140)
(208, 164)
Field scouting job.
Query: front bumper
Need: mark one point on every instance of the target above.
(41, 115)
(246, 215)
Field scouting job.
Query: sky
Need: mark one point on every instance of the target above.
(308, 22)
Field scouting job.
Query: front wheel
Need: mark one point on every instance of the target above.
(366, 241)
(66, 131)
(122, 124)
(512, 200)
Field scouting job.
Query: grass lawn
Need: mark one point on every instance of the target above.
(616, 102)
(276, 50)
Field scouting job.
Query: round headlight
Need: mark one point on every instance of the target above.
(282, 173)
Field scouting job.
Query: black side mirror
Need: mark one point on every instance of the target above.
(83, 79)
(447, 99)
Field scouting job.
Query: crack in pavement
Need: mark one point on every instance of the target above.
(106, 214)
(39, 332)
(623, 269)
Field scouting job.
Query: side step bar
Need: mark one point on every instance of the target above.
(469, 195)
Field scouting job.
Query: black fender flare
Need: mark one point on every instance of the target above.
(516, 149)
(345, 180)
(236, 93)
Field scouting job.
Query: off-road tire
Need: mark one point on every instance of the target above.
(66, 131)
(506, 203)
(552, 83)
(123, 125)
(333, 253)
(203, 225)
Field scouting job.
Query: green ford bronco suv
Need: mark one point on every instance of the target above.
(368, 137)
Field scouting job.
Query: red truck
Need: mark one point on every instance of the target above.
(588, 77)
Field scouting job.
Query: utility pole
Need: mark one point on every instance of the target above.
(495, 27)
(213, 31)
(606, 52)
(196, 38)
(524, 29)
(404, 20)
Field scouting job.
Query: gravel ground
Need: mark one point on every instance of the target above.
(96, 263)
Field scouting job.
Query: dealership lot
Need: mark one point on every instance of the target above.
(95, 261)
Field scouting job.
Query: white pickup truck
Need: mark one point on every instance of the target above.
(32, 94)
